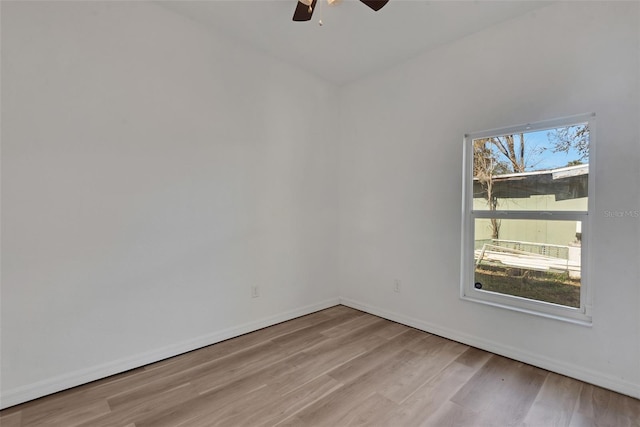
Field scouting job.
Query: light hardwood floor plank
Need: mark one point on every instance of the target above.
(11, 419)
(606, 409)
(70, 414)
(140, 409)
(431, 396)
(555, 402)
(502, 391)
(346, 327)
(272, 407)
(375, 357)
(392, 330)
(450, 414)
(369, 412)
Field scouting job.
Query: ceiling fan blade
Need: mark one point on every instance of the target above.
(375, 4)
(302, 12)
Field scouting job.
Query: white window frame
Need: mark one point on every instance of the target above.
(580, 315)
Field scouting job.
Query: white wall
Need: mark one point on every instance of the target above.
(152, 172)
(400, 174)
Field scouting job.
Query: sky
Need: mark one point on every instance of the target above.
(539, 153)
(548, 159)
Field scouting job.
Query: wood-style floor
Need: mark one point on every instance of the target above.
(336, 367)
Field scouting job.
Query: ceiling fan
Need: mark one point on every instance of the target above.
(305, 8)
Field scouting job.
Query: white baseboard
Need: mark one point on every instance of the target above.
(73, 379)
(563, 368)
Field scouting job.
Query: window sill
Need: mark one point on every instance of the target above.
(578, 318)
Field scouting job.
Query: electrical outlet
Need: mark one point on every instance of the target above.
(255, 292)
(396, 285)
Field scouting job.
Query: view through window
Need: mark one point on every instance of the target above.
(527, 199)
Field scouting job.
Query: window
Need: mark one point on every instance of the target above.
(527, 193)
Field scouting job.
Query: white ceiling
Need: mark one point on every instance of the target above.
(354, 40)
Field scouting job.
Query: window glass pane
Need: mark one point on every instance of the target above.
(543, 170)
(534, 259)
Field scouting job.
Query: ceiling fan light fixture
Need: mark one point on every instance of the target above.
(305, 8)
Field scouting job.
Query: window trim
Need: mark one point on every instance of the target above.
(581, 315)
